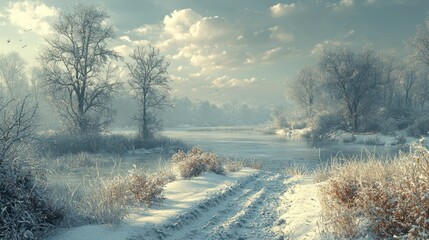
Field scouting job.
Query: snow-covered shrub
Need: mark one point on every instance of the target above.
(105, 200)
(400, 140)
(253, 163)
(296, 170)
(146, 188)
(350, 138)
(372, 140)
(386, 199)
(388, 127)
(195, 162)
(25, 210)
(232, 165)
(419, 127)
(95, 201)
(325, 125)
(60, 144)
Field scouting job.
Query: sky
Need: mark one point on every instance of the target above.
(240, 51)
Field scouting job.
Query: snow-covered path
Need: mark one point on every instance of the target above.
(245, 211)
(244, 205)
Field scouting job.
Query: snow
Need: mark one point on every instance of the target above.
(301, 209)
(248, 204)
(292, 132)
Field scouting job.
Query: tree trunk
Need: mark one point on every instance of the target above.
(355, 122)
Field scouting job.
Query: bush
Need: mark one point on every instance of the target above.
(372, 140)
(195, 162)
(383, 198)
(388, 127)
(58, 144)
(99, 200)
(146, 188)
(25, 211)
(400, 140)
(419, 127)
(232, 165)
(325, 125)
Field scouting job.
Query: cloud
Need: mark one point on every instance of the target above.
(271, 54)
(125, 38)
(141, 42)
(350, 33)
(32, 15)
(280, 9)
(145, 29)
(179, 79)
(346, 3)
(280, 35)
(206, 42)
(319, 47)
(342, 4)
(225, 81)
(124, 50)
(179, 22)
(3, 19)
(187, 25)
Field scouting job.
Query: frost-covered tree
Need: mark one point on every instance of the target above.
(419, 44)
(16, 124)
(77, 68)
(351, 79)
(13, 80)
(305, 89)
(150, 84)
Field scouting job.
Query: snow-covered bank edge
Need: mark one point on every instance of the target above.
(182, 199)
(400, 138)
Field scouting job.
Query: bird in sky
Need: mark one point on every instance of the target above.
(8, 41)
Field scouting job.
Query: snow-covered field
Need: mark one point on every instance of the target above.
(248, 204)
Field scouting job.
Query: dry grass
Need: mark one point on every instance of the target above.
(253, 163)
(105, 200)
(195, 162)
(95, 201)
(296, 170)
(60, 144)
(232, 165)
(385, 198)
(146, 188)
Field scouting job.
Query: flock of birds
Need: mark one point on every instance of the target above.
(25, 45)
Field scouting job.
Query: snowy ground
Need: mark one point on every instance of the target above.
(248, 204)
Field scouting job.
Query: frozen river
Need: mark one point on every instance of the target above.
(275, 152)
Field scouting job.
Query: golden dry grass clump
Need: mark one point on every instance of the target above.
(195, 162)
(383, 198)
(146, 188)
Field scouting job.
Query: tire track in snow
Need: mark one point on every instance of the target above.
(257, 215)
(245, 210)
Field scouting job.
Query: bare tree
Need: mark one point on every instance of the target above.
(150, 85)
(305, 89)
(77, 68)
(422, 89)
(353, 79)
(419, 44)
(389, 66)
(16, 124)
(12, 76)
(408, 82)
